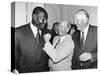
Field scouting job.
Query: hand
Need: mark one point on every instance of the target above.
(85, 56)
(47, 37)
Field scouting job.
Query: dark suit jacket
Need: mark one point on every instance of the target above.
(29, 56)
(90, 46)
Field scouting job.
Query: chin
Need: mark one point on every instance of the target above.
(42, 26)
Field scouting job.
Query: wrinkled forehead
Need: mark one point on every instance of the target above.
(41, 14)
(80, 15)
(65, 24)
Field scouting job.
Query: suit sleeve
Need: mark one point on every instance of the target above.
(94, 51)
(94, 54)
(59, 53)
(94, 57)
(16, 50)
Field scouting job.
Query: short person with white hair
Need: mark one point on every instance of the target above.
(61, 51)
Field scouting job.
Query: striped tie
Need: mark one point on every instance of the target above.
(38, 36)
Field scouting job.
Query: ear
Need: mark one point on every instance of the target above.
(34, 16)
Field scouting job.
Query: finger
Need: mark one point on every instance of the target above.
(82, 57)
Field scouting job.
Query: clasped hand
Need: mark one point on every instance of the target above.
(47, 37)
(85, 56)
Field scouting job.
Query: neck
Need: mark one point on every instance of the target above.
(35, 25)
(63, 35)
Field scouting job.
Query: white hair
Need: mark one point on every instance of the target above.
(65, 26)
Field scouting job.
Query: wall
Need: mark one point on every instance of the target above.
(53, 11)
(29, 9)
(56, 13)
(21, 13)
(92, 10)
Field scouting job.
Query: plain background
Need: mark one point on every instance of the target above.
(5, 41)
(22, 12)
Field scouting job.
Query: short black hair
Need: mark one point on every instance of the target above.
(73, 26)
(56, 23)
(37, 10)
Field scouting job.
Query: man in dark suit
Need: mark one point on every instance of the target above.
(85, 39)
(29, 42)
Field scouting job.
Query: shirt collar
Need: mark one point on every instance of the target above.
(86, 29)
(34, 29)
(85, 32)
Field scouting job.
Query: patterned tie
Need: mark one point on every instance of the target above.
(82, 39)
(57, 43)
(82, 45)
(38, 36)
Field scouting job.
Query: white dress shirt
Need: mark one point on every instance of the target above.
(85, 33)
(34, 29)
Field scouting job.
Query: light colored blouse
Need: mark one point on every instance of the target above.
(61, 56)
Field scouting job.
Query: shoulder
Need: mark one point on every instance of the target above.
(93, 30)
(21, 30)
(93, 27)
(22, 27)
(68, 38)
(55, 38)
(68, 41)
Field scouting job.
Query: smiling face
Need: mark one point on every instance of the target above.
(81, 20)
(39, 20)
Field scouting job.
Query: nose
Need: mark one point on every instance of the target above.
(77, 23)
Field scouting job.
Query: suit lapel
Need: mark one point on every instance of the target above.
(37, 47)
(32, 34)
(76, 39)
(87, 42)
